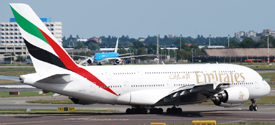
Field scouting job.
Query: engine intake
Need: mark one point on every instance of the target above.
(117, 61)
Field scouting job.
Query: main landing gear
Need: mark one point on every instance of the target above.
(142, 110)
(152, 110)
(174, 110)
(253, 106)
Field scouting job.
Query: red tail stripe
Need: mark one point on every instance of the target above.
(68, 62)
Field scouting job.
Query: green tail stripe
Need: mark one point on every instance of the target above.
(28, 26)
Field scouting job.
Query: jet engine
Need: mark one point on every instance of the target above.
(117, 61)
(79, 101)
(90, 62)
(231, 96)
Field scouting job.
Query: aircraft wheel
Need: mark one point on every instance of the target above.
(179, 110)
(128, 111)
(143, 111)
(255, 108)
(159, 111)
(169, 111)
(153, 111)
(251, 108)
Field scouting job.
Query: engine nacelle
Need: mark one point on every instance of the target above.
(117, 61)
(90, 61)
(228, 105)
(82, 102)
(230, 96)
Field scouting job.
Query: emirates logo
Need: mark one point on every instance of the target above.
(241, 95)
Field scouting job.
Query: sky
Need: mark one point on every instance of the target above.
(140, 18)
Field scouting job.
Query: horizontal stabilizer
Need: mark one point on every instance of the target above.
(13, 78)
(56, 79)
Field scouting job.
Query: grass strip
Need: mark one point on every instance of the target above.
(16, 71)
(268, 75)
(63, 101)
(23, 94)
(3, 81)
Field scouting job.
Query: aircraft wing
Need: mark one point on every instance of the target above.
(205, 89)
(13, 78)
(181, 95)
(16, 86)
(125, 54)
(132, 56)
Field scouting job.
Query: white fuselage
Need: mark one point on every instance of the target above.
(145, 84)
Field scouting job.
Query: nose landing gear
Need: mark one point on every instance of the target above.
(253, 106)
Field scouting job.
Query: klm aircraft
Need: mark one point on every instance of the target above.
(99, 58)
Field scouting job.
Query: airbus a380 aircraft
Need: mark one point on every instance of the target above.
(140, 86)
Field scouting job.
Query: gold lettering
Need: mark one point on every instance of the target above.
(183, 76)
(177, 76)
(226, 79)
(208, 74)
(220, 74)
(236, 77)
(187, 76)
(172, 76)
(217, 79)
(241, 74)
(204, 78)
(198, 79)
(231, 77)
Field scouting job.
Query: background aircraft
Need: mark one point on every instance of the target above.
(141, 86)
(117, 58)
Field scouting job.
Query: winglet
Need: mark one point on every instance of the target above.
(116, 45)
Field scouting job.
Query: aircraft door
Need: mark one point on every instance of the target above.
(168, 84)
(92, 88)
(140, 73)
(107, 74)
(126, 86)
(256, 84)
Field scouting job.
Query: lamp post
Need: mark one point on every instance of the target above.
(192, 54)
(158, 49)
(180, 41)
(267, 49)
(228, 40)
(209, 39)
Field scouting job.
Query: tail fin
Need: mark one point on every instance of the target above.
(116, 45)
(44, 49)
(46, 52)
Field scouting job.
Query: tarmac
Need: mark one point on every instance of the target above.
(265, 114)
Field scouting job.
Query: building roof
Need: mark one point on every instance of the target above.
(240, 52)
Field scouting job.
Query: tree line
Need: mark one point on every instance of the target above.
(149, 46)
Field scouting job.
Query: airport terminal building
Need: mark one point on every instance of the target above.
(11, 40)
(236, 55)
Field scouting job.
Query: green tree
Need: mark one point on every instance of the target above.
(233, 43)
(20, 58)
(137, 44)
(142, 51)
(80, 46)
(247, 43)
(93, 46)
(121, 50)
